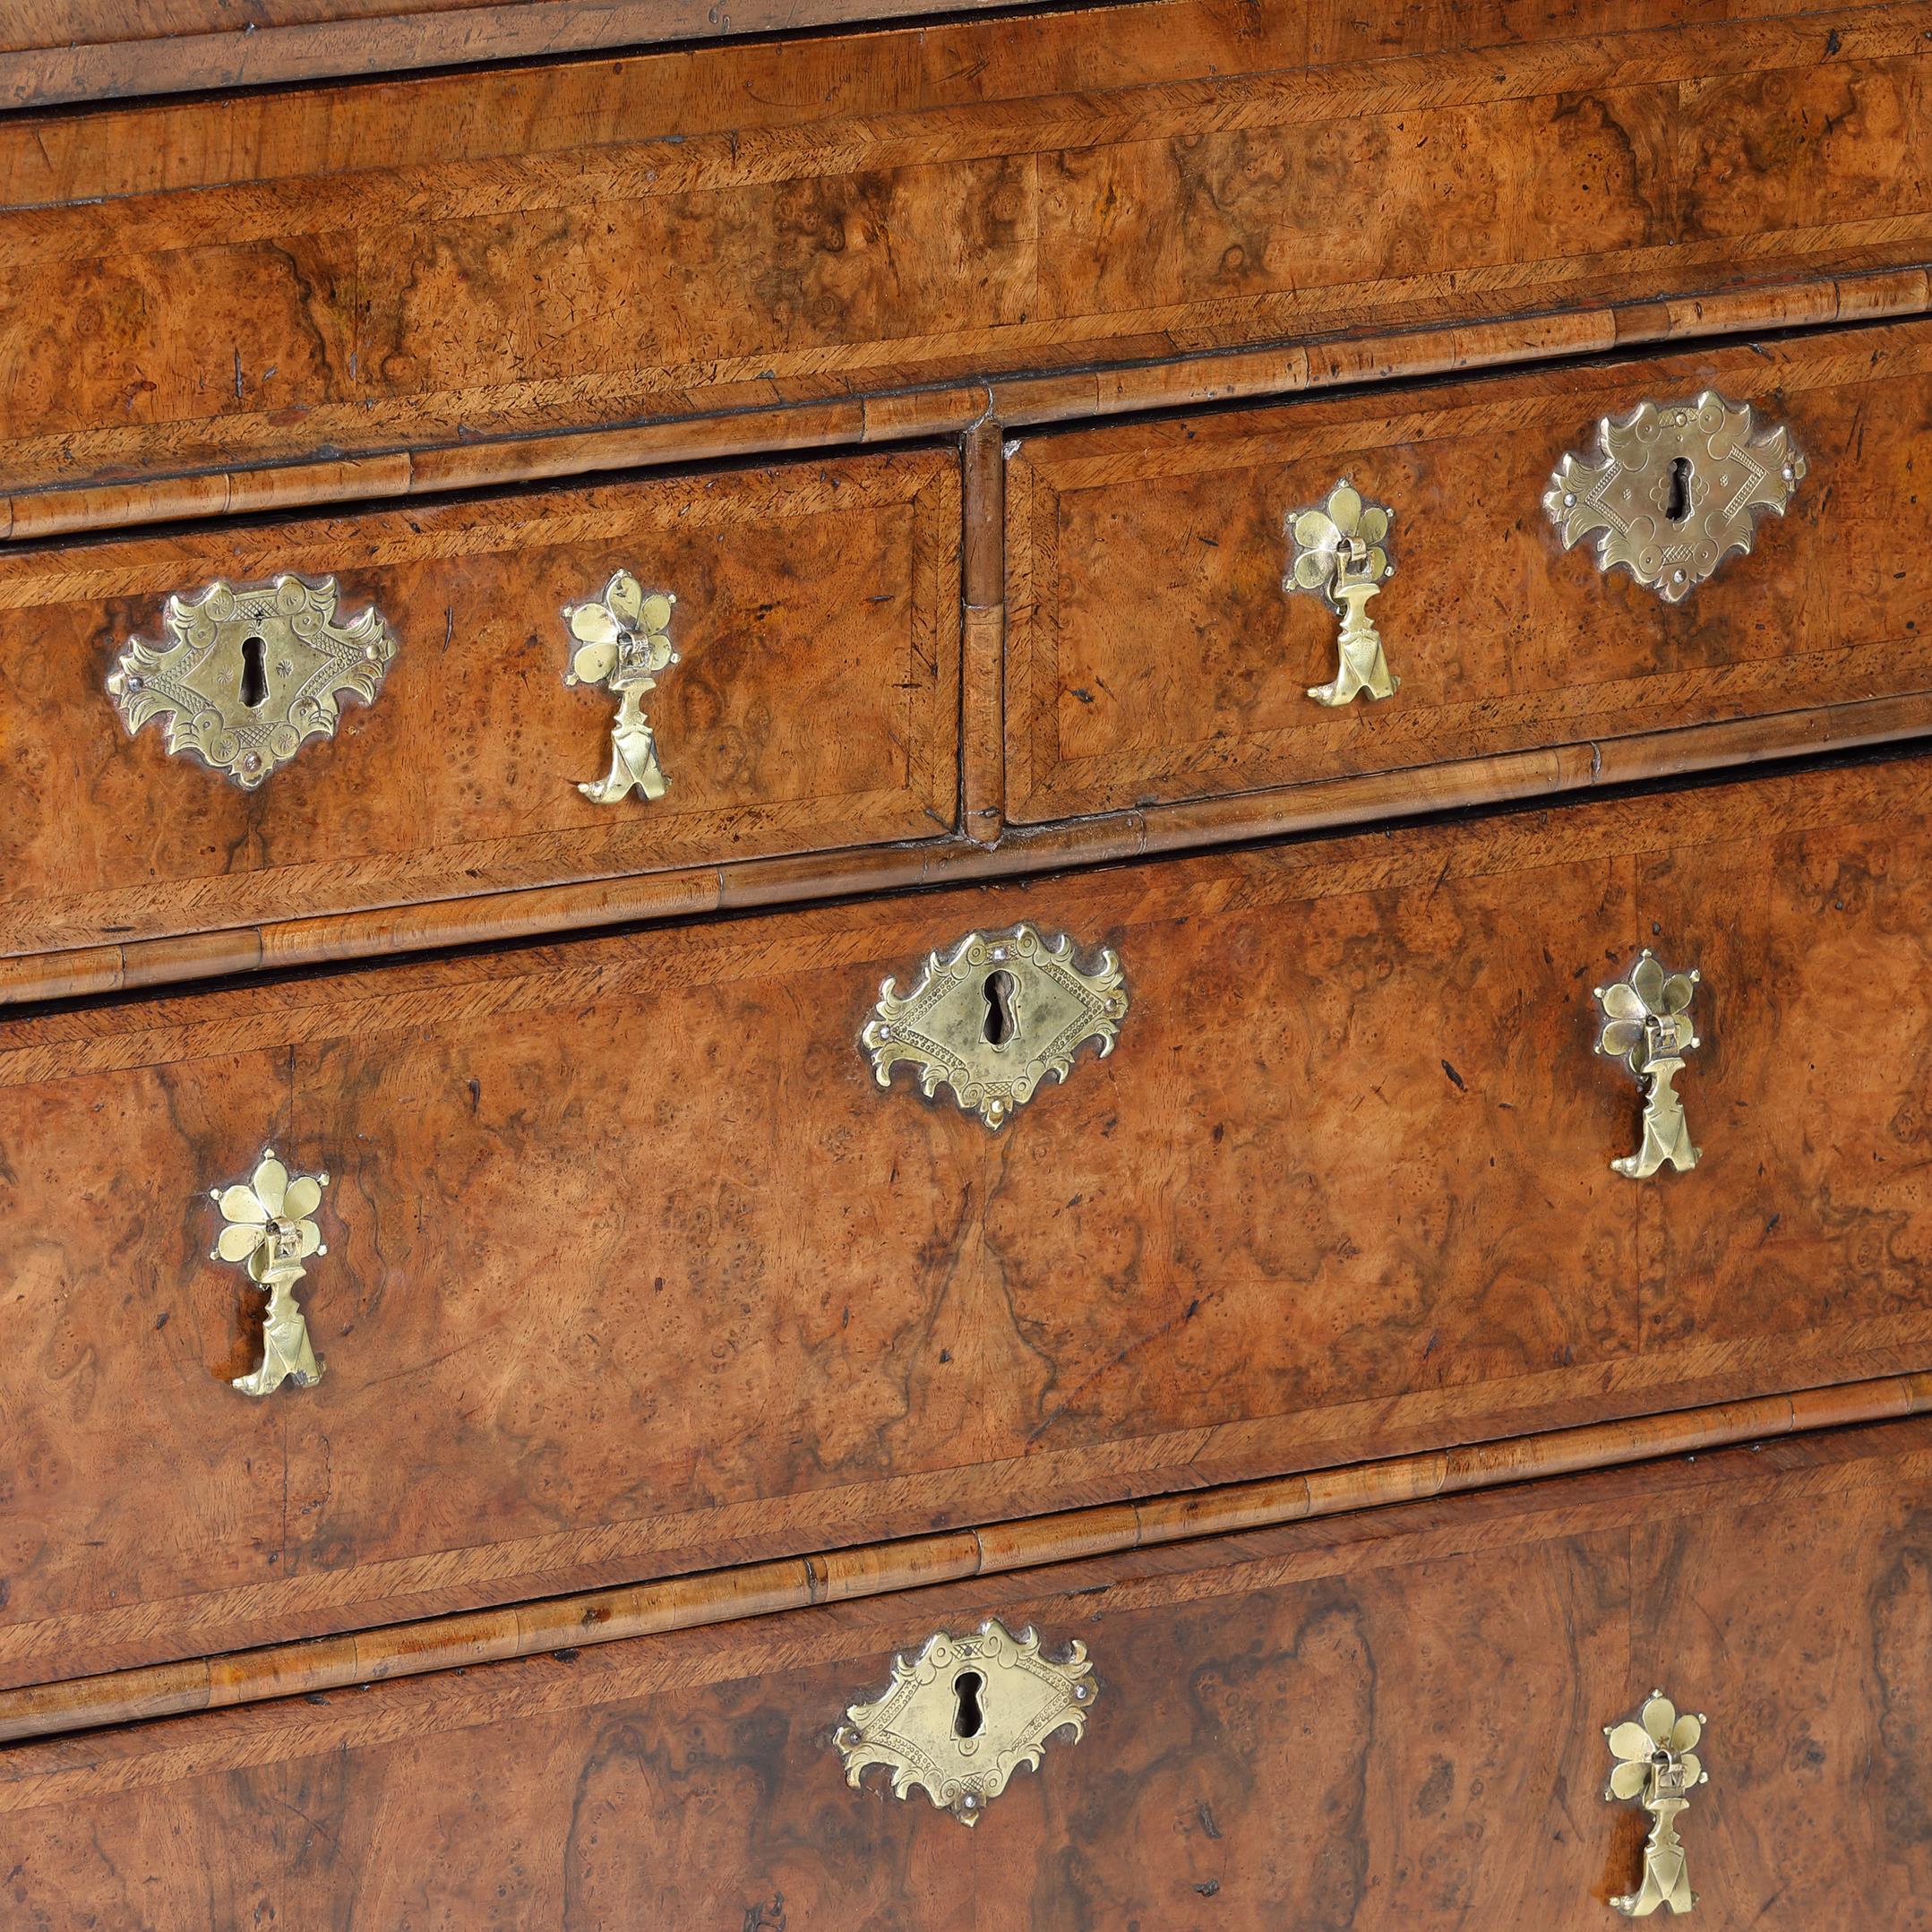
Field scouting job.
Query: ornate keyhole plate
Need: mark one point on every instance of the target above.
(249, 675)
(1678, 488)
(994, 1017)
(960, 1718)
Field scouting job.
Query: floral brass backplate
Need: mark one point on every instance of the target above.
(960, 1718)
(1647, 1025)
(249, 675)
(1340, 552)
(267, 1229)
(621, 641)
(1677, 488)
(1657, 1768)
(994, 1017)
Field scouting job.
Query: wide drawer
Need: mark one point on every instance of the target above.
(57, 51)
(632, 1267)
(346, 273)
(1393, 1720)
(1157, 653)
(812, 704)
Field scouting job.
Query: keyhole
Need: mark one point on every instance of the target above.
(968, 1719)
(1678, 506)
(998, 1022)
(254, 678)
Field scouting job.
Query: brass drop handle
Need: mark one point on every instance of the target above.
(1647, 1025)
(1341, 554)
(269, 1233)
(248, 675)
(623, 642)
(1674, 489)
(993, 1017)
(960, 1718)
(1657, 1768)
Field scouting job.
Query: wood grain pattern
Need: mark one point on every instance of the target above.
(806, 594)
(528, 250)
(983, 683)
(898, 416)
(1022, 851)
(53, 51)
(1154, 655)
(1391, 1720)
(633, 1270)
(556, 1624)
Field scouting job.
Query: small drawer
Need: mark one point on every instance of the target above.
(633, 1266)
(837, 224)
(379, 715)
(1393, 1721)
(1162, 649)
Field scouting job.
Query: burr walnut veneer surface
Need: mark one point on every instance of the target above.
(633, 1269)
(63, 50)
(1386, 1722)
(1153, 656)
(320, 273)
(957, 377)
(815, 704)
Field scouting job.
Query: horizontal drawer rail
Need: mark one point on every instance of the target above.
(693, 892)
(1015, 402)
(763, 1589)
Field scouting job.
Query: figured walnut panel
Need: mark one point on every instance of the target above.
(815, 705)
(1391, 1722)
(1153, 655)
(632, 1269)
(522, 251)
(84, 50)
(56, 50)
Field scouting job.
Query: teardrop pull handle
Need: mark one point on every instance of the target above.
(1647, 1025)
(621, 640)
(267, 1231)
(1658, 1767)
(1340, 553)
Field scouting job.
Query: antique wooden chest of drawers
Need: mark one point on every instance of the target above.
(966, 972)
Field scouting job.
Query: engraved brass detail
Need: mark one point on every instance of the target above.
(250, 674)
(269, 1233)
(623, 643)
(1340, 552)
(992, 1017)
(1657, 1768)
(1678, 486)
(1646, 1024)
(960, 1719)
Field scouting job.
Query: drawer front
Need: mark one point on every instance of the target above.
(811, 703)
(1390, 1721)
(632, 1267)
(1157, 656)
(79, 53)
(510, 251)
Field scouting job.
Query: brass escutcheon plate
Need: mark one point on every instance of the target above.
(994, 1017)
(1676, 489)
(960, 1718)
(249, 675)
